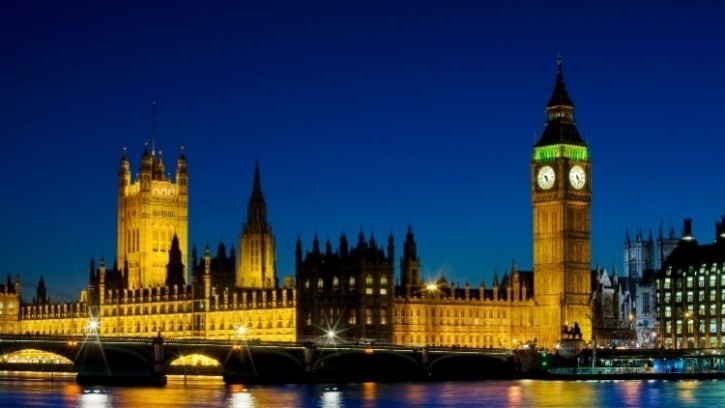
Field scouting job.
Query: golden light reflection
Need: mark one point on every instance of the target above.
(195, 360)
(687, 390)
(72, 391)
(369, 392)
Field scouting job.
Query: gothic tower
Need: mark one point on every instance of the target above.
(410, 265)
(151, 209)
(256, 268)
(561, 200)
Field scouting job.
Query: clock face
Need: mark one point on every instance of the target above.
(546, 177)
(577, 177)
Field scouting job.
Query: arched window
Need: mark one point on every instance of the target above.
(320, 284)
(335, 282)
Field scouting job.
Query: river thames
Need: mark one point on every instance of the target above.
(23, 390)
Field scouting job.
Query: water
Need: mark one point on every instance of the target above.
(24, 390)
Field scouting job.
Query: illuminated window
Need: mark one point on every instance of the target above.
(351, 284)
(369, 280)
(383, 316)
(352, 316)
(335, 282)
(320, 284)
(368, 315)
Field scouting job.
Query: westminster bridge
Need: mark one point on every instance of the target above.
(144, 360)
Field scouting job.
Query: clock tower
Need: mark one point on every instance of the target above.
(561, 199)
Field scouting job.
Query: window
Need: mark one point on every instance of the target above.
(351, 284)
(645, 303)
(368, 315)
(369, 280)
(335, 282)
(320, 284)
(352, 316)
(383, 316)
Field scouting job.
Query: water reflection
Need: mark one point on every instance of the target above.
(241, 397)
(213, 393)
(687, 391)
(331, 398)
(93, 399)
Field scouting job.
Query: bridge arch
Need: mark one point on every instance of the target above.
(462, 366)
(369, 365)
(33, 356)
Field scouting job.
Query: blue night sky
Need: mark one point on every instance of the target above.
(367, 115)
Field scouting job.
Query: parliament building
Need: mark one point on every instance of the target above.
(350, 291)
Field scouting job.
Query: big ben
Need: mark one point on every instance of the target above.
(561, 198)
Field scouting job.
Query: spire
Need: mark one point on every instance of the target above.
(153, 128)
(559, 96)
(257, 207)
(257, 190)
(175, 267)
(560, 125)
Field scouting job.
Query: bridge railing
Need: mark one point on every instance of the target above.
(249, 343)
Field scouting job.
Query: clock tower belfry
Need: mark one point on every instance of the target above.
(561, 199)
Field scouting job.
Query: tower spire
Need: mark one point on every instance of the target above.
(560, 125)
(257, 189)
(153, 128)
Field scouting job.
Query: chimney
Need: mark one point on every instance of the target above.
(687, 230)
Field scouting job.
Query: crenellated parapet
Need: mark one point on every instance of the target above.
(54, 311)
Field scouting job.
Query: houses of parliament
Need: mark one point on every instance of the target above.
(357, 287)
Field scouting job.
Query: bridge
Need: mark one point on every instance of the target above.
(144, 360)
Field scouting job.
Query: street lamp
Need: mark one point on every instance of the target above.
(93, 326)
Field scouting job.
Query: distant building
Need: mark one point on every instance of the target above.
(349, 295)
(438, 313)
(257, 263)
(152, 209)
(10, 301)
(643, 257)
(348, 292)
(612, 309)
(691, 292)
(150, 295)
(561, 195)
